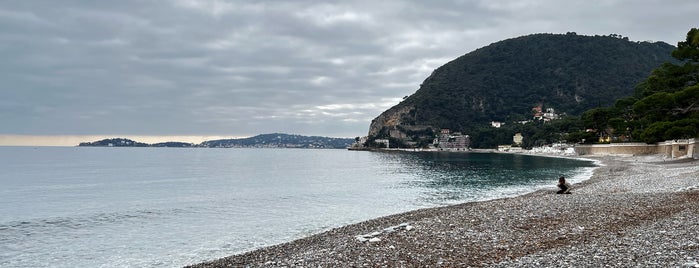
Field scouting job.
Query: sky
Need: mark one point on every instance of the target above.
(215, 68)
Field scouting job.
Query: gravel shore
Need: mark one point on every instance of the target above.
(635, 211)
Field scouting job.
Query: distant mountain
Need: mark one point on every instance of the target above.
(115, 142)
(280, 140)
(505, 80)
(173, 144)
(275, 140)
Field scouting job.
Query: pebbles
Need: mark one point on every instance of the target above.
(374, 237)
(629, 214)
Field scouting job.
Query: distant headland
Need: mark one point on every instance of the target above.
(273, 140)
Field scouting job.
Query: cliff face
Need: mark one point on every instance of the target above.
(505, 80)
(390, 119)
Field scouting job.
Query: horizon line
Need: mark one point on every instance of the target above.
(75, 140)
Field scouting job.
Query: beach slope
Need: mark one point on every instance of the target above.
(634, 211)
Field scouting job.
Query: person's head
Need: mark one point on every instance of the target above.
(562, 179)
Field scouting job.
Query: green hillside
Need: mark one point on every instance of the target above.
(281, 140)
(505, 80)
(273, 140)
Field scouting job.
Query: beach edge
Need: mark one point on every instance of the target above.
(453, 235)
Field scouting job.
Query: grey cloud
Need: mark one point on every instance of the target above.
(237, 68)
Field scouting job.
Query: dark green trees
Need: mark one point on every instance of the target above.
(588, 80)
(668, 105)
(688, 49)
(665, 105)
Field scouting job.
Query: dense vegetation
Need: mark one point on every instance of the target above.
(173, 144)
(505, 80)
(279, 140)
(665, 105)
(115, 142)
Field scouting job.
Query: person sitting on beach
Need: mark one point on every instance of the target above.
(565, 187)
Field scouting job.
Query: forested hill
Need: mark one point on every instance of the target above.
(274, 140)
(280, 140)
(505, 80)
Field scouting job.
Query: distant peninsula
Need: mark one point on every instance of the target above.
(273, 140)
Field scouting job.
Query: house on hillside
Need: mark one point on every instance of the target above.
(537, 111)
(548, 115)
(517, 138)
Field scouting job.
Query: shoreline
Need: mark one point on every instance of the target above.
(633, 210)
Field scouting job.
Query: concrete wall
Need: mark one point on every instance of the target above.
(680, 148)
(671, 149)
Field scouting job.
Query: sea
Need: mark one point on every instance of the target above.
(170, 207)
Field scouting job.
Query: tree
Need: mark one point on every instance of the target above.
(597, 118)
(688, 49)
(669, 104)
(655, 107)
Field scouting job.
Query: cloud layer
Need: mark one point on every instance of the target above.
(215, 67)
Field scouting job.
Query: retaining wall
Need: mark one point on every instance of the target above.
(671, 149)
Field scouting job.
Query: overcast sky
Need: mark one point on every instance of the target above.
(240, 68)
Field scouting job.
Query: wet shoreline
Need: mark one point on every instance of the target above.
(633, 211)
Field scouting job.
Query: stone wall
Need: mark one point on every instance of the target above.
(671, 149)
(679, 148)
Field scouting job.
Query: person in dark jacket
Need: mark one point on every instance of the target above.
(563, 185)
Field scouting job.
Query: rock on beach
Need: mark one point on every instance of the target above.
(634, 211)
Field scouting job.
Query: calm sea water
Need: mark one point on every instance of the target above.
(168, 207)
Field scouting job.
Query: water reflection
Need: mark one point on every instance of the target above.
(444, 177)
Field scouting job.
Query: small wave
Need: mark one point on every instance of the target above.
(53, 224)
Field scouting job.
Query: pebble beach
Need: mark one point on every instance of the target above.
(635, 211)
